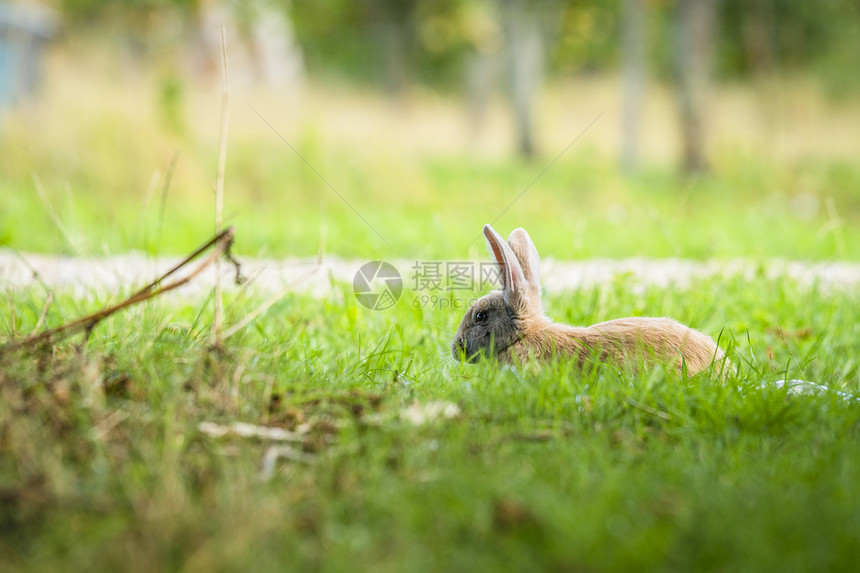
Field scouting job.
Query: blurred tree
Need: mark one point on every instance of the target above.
(693, 44)
(633, 64)
(758, 31)
(170, 103)
(483, 34)
(524, 64)
(343, 35)
(337, 37)
(441, 42)
(396, 27)
(792, 36)
(588, 32)
(260, 41)
(448, 32)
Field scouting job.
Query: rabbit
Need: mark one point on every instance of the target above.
(510, 324)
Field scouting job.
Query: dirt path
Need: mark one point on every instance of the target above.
(96, 276)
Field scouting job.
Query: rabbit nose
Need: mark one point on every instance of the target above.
(457, 346)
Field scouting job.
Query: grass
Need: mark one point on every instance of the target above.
(580, 208)
(102, 464)
(103, 152)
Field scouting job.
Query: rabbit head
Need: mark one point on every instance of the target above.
(498, 320)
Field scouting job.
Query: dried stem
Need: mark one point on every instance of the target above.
(13, 326)
(36, 275)
(219, 188)
(222, 243)
(165, 188)
(220, 237)
(43, 315)
(140, 227)
(75, 244)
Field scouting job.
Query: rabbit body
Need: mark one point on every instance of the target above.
(620, 342)
(511, 325)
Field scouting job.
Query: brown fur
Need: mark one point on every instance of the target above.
(513, 326)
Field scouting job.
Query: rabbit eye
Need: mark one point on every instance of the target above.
(480, 316)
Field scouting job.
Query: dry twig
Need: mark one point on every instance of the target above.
(221, 242)
(74, 242)
(13, 326)
(43, 315)
(165, 188)
(36, 275)
(219, 188)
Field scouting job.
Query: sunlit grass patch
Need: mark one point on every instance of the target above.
(105, 463)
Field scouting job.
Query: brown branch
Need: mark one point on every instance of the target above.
(222, 243)
(221, 236)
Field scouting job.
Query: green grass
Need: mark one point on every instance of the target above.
(431, 206)
(97, 145)
(102, 466)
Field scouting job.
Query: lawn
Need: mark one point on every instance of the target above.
(391, 456)
(338, 170)
(104, 466)
(434, 208)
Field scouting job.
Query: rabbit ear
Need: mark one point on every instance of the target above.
(526, 252)
(511, 273)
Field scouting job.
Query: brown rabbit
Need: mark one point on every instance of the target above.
(510, 324)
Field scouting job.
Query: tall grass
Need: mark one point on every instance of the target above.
(785, 187)
(103, 464)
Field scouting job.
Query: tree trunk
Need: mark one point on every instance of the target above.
(759, 35)
(633, 45)
(695, 28)
(479, 81)
(396, 31)
(523, 56)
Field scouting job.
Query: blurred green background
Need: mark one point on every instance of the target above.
(707, 129)
(695, 128)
